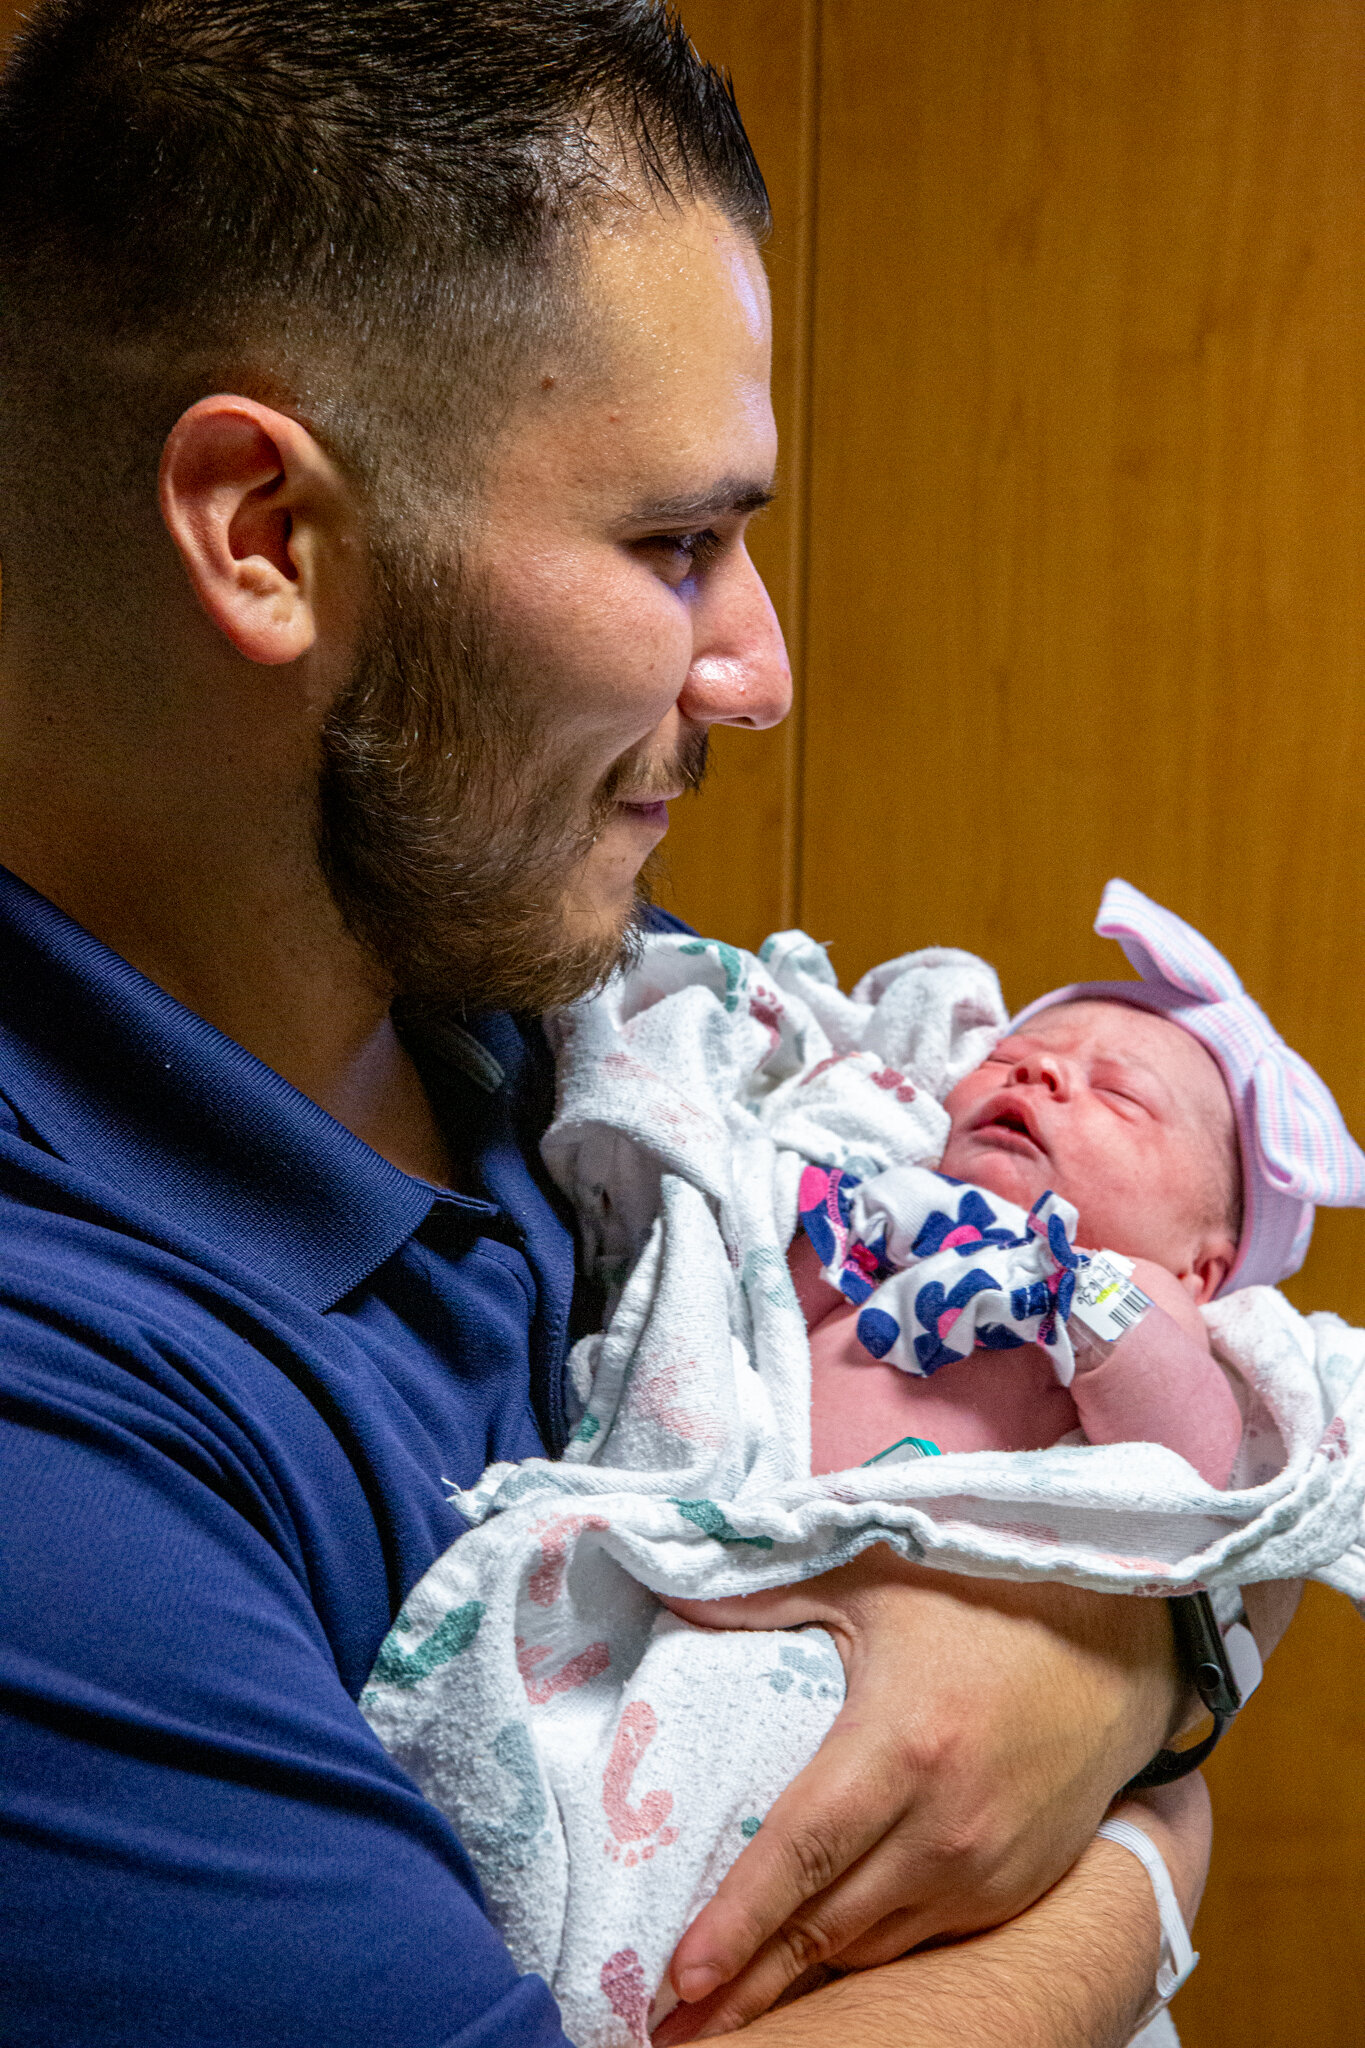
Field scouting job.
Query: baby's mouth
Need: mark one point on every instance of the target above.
(1012, 1129)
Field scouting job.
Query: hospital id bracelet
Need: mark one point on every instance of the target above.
(1224, 1668)
(1107, 1303)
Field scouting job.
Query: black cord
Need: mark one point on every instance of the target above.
(1169, 1764)
(1199, 1647)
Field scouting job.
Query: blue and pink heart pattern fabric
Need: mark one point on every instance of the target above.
(895, 1245)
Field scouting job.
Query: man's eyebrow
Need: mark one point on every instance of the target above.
(735, 496)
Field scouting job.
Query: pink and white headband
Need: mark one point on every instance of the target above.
(1296, 1149)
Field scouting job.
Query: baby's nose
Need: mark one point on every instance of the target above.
(1042, 1070)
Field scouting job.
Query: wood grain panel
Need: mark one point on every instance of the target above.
(732, 852)
(1087, 526)
(1280, 1929)
(1088, 514)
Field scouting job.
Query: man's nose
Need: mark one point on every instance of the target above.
(740, 674)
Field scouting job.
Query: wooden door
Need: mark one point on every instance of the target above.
(1070, 297)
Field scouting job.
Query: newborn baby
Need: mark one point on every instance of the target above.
(605, 1764)
(1125, 1114)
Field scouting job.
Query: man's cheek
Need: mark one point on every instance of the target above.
(604, 627)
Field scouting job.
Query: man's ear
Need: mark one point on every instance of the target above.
(254, 507)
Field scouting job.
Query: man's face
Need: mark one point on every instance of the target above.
(1118, 1110)
(611, 541)
(560, 666)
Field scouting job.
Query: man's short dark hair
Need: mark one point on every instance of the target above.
(366, 210)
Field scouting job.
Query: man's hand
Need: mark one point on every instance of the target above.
(1074, 1971)
(986, 1729)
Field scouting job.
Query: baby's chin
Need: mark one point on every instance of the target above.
(1011, 1175)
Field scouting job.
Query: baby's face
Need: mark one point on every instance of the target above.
(1120, 1111)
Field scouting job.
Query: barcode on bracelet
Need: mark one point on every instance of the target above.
(1106, 1302)
(1131, 1305)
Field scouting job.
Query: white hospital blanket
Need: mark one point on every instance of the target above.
(603, 1762)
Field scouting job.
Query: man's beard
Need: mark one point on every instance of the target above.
(451, 826)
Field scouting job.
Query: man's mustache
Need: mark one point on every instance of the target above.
(635, 781)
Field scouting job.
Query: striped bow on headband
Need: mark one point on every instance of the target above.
(1296, 1150)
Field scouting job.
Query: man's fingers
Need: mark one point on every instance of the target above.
(836, 1932)
(848, 1925)
(756, 1898)
(950, 1887)
(827, 1818)
(834, 1858)
(890, 1939)
(699, 2022)
(779, 1967)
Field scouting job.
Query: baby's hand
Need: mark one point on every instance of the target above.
(936, 1270)
(1160, 1382)
(1173, 1296)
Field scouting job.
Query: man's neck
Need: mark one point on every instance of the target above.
(243, 932)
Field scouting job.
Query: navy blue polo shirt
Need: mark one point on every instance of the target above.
(241, 1357)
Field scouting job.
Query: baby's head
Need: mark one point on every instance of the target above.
(1167, 1109)
(1123, 1113)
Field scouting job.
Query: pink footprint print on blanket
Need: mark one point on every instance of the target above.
(624, 1988)
(546, 1582)
(633, 1826)
(766, 1010)
(658, 1396)
(540, 1691)
(1335, 1443)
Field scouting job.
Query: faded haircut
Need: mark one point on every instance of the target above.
(366, 212)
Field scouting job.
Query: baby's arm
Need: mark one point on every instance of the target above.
(1160, 1383)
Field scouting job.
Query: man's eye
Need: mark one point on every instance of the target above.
(684, 553)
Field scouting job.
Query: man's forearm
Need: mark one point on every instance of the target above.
(1075, 1971)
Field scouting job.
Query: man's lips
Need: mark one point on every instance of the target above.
(650, 810)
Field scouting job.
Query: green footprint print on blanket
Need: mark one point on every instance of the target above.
(709, 1519)
(731, 963)
(510, 1839)
(450, 1638)
(817, 1674)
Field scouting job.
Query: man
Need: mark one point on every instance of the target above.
(385, 402)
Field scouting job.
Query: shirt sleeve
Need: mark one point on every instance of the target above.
(202, 1841)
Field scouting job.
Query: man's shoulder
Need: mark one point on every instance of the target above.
(103, 1327)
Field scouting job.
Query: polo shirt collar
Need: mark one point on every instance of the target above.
(122, 1082)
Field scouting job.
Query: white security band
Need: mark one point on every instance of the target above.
(1108, 1301)
(1178, 1956)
